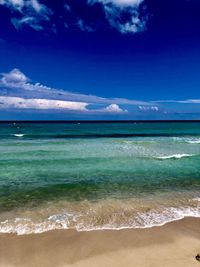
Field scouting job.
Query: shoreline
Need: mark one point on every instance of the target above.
(172, 245)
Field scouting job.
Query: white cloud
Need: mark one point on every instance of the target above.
(37, 6)
(13, 4)
(16, 83)
(30, 21)
(83, 26)
(114, 108)
(7, 102)
(187, 101)
(17, 91)
(123, 15)
(29, 12)
(17, 79)
(148, 108)
(22, 103)
(122, 3)
(14, 78)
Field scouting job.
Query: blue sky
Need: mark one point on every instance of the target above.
(99, 59)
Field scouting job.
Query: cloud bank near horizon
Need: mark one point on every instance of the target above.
(18, 92)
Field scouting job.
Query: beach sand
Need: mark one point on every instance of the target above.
(174, 244)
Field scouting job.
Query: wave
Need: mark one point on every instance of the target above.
(186, 140)
(152, 218)
(174, 156)
(18, 135)
(193, 141)
(105, 135)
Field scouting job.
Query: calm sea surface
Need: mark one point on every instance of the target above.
(97, 175)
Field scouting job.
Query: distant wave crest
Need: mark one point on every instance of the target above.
(18, 135)
(174, 156)
(193, 141)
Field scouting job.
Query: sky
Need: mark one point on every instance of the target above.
(99, 59)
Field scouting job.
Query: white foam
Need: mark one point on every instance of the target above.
(193, 141)
(175, 156)
(19, 135)
(148, 219)
(22, 226)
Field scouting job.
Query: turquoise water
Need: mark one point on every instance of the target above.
(97, 175)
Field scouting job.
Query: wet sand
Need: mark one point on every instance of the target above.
(172, 245)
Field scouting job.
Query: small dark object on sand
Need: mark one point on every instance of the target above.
(197, 257)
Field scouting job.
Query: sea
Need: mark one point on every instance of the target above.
(97, 175)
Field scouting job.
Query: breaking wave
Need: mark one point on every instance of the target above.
(18, 135)
(174, 156)
(193, 141)
(152, 218)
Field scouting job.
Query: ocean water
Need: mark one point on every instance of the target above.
(90, 176)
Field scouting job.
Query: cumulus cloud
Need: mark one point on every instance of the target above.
(124, 15)
(22, 103)
(18, 92)
(148, 108)
(16, 83)
(27, 12)
(14, 78)
(114, 108)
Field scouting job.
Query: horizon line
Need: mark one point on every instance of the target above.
(94, 121)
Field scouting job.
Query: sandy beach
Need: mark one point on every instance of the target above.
(174, 244)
